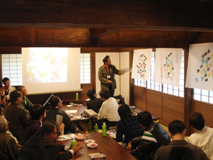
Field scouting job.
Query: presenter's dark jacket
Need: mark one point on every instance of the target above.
(102, 75)
(8, 148)
(17, 118)
(163, 153)
(51, 114)
(95, 104)
(52, 148)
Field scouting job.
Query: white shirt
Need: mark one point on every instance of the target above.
(204, 140)
(109, 109)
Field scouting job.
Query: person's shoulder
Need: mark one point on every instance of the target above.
(101, 67)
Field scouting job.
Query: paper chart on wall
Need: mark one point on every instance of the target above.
(200, 66)
(141, 64)
(167, 66)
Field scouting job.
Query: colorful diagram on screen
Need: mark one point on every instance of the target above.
(205, 69)
(141, 65)
(167, 70)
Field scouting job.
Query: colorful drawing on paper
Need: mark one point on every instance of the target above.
(141, 65)
(167, 70)
(205, 70)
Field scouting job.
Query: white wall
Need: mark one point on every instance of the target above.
(114, 56)
(121, 61)
(124, 64)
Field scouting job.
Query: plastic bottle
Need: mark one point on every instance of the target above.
(96, 128)
(73, 143)
(90, 125)
(76, 96)
(104, 129)
(86, 132)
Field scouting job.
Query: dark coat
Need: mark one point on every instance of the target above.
(163, 153)
(51, 148)
(17, 118)
(95, 104)
(69, 126)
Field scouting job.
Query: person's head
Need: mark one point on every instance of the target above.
(23, 90)
(55, 101)
(50, 130)
(33, 152)
(145, 119)
(124, 111)
(6, 82)
(107, 60)
(181, 153)
(91, 93)
(16, 97)
(177, 127)
(3, 124)
(196, 120)
(37, 112)
(104, 94)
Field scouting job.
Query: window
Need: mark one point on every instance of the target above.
(140, 82)
(85, 68)
(203, 95)
(12, 68)
(150, 83)
(177, 91)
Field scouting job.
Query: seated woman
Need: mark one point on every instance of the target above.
(37, 113)
(26, 104)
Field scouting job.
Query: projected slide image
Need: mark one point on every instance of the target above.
(47, 65)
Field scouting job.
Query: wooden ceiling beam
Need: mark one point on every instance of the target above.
(191, 15)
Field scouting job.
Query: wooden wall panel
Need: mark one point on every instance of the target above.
(206, 110)
(139, 97)
(173, 108)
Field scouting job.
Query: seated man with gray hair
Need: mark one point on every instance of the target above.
(8, 146)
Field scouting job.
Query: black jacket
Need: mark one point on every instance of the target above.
(51, 114)
(95, 104)
(144, 148)
(51, 148)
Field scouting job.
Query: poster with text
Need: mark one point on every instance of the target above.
(141, 64)
(200, 66)
(167, 66)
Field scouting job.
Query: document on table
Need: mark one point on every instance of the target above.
(71, 111)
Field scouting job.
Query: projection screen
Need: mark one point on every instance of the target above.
(51, 70)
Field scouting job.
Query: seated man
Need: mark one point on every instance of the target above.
(108, 112)
(203, 136)
(26, 104)
(17, 116)
(128, 125)
(37, 113)
(154, 136)
(94, 103)
(6, 89)
(8, 147)
(56, 104)
(177, 131)
(47, 137)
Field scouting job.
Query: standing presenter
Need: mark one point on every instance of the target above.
(106, 75)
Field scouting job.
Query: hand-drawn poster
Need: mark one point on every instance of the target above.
(167, 66)
(141, 64)
(200, 66)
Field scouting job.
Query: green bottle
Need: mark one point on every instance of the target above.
(104, 129)
(76, 96)
(73, 143)
(96, 128)
(90, 125)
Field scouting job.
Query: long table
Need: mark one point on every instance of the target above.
(106, 145)
(80, 109)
